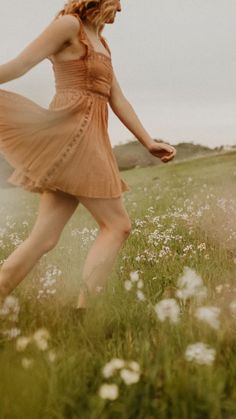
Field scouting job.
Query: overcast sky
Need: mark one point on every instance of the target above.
(174, 59)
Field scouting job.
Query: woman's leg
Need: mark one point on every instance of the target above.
(55, 209)
(115, 227)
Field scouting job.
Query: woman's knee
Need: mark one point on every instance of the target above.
(43, 244)
(121, 229)
(126, 229)
(54, 213)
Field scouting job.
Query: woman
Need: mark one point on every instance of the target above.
(64, 152)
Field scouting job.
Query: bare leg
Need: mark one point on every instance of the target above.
(55, 209)
(115, 227)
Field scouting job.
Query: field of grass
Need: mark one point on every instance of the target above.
(159, 342)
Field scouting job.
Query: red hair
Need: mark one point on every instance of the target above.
(95, 10)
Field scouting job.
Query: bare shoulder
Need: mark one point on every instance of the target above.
(68, 22)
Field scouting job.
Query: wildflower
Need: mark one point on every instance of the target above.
(164, 251)
(190, 285)
(112, 366)
(210, 315)
(134, 276)
(167, 309)
(42, 344)
(41, 334)
(129, 377)
(200, 353)
(41, 337)
(140, 283)
(219, 288)
(10, 308)
(134, 366)
(22, 342)
(12, 333)
(128, 285)
(51, 355)
(202, 246)
(232, 307)
(27, 362)
(109, 391)
(140, 295)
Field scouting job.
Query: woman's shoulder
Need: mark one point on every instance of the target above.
(68, 21)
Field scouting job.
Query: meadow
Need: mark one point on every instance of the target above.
(159, 340)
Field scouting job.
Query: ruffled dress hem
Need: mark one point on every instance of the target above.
(27, 184)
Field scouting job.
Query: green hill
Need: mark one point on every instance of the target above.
(134, 154)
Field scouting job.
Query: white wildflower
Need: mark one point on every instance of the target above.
(219, 288)
(41, 334)
(52, 355)
(42, 344)
(12, 333)
(134, 276)
(109, 369)
(109, 391)
(128, 285)
(201, 246)
(134, 366)
(22, 342)
(232, 307)
(41, 337)
(167, 309)
(210, 315)
(129, 377)
(27, 362)
(140, 283)
(140, 295)
(10, 308)
(190, 284)
(200, 353)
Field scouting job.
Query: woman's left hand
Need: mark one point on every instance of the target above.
(164, 151)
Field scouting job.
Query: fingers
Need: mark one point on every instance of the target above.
(164, 151)
(172, 154)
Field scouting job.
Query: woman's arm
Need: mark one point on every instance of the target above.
(50, 41)
(125, 112)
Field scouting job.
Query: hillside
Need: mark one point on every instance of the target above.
(135, 154)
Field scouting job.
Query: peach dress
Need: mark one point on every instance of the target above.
(65, 147)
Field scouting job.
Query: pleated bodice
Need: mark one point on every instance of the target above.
(93, 74)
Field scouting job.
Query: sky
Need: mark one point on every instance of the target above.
(175, 61)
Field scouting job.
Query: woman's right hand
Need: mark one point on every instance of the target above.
(164, 151)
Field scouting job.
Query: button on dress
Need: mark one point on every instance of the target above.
(65, 146)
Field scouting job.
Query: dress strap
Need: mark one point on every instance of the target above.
(105, 44)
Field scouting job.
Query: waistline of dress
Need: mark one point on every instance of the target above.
(87, 92)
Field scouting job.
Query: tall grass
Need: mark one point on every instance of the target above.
(183, 218)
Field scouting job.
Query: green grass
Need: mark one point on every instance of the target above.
(183, 215)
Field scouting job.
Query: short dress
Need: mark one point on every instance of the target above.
(65, 146)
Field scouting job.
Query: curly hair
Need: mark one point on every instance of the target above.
(95, 10)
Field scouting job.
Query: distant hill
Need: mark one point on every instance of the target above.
(132, 154)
